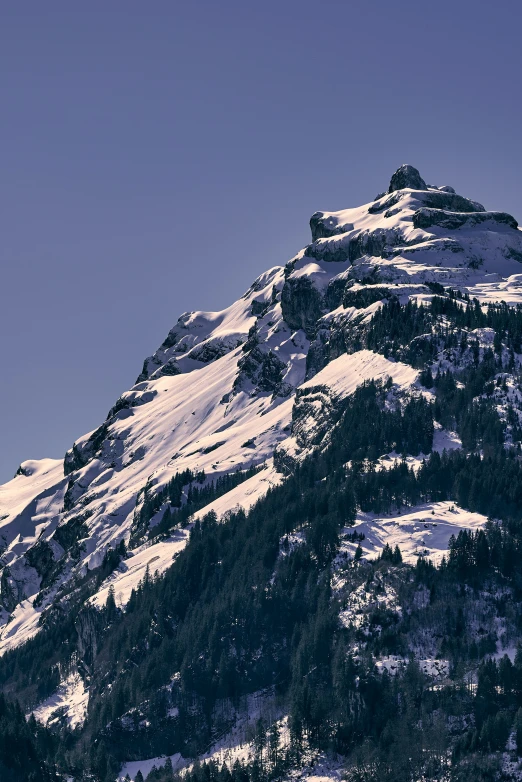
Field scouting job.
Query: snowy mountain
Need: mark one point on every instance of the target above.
(233, 402)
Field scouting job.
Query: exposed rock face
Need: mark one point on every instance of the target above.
(451, 201)
(42, 558)
(264, 370)
(315, 411)
(374, 243)
(319, 352)
(349, 248)
(426, 218)
(363, 297)
(407, 177)
(301, 304)
(88, 629)
(81, 453)
(171, 367)
(8, 594)
(324, 226)
(388, 203)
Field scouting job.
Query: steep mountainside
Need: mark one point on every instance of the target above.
(375, 373)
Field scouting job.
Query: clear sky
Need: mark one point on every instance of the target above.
(157, 156)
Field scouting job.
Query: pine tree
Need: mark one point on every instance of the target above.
(110, 606)
(168, 769)
(518, 731)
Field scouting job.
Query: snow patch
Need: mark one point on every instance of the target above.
(423, 531)
(69, 701)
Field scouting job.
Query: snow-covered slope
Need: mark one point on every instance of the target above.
(218, 395)
(419, 532)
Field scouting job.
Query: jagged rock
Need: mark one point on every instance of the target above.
(265, 371)
(171, 367)
(212, 349)
(131, 399)
(330, 252)
(8, 596)
(41, 557)
(363, 297)
(80, 454)
(69, 497)
(301, 304)
(388, 203)
(426, 218)
(451, 202)
(314, 411)
(407, 177)
(324, 226)
(68, 534)
(261, 369)
(318, 354)
(375, 243)
(258, 308)
(88, 627)
(333, 296)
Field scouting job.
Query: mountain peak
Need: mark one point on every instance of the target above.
(407, 177)
(380, 362)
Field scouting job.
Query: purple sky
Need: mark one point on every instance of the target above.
(156, 157)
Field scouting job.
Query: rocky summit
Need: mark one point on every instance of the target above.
(295, 542)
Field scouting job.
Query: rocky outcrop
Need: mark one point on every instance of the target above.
(171, 367)
(132, 399)
(8, 594)
(323, 226)
(42, 558)
(74, 530)
(433, 199)
(301, 304)
(451, 202)
(333, 296)
(213, 349)
(318, 354)
(264, 370)
(380, 206)
(427, 218)
(407, 177)
(88, 627)
(363, 297)
(315, 412)
(376, 243)
(82, 453)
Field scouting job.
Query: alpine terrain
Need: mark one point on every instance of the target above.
(294, 547)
